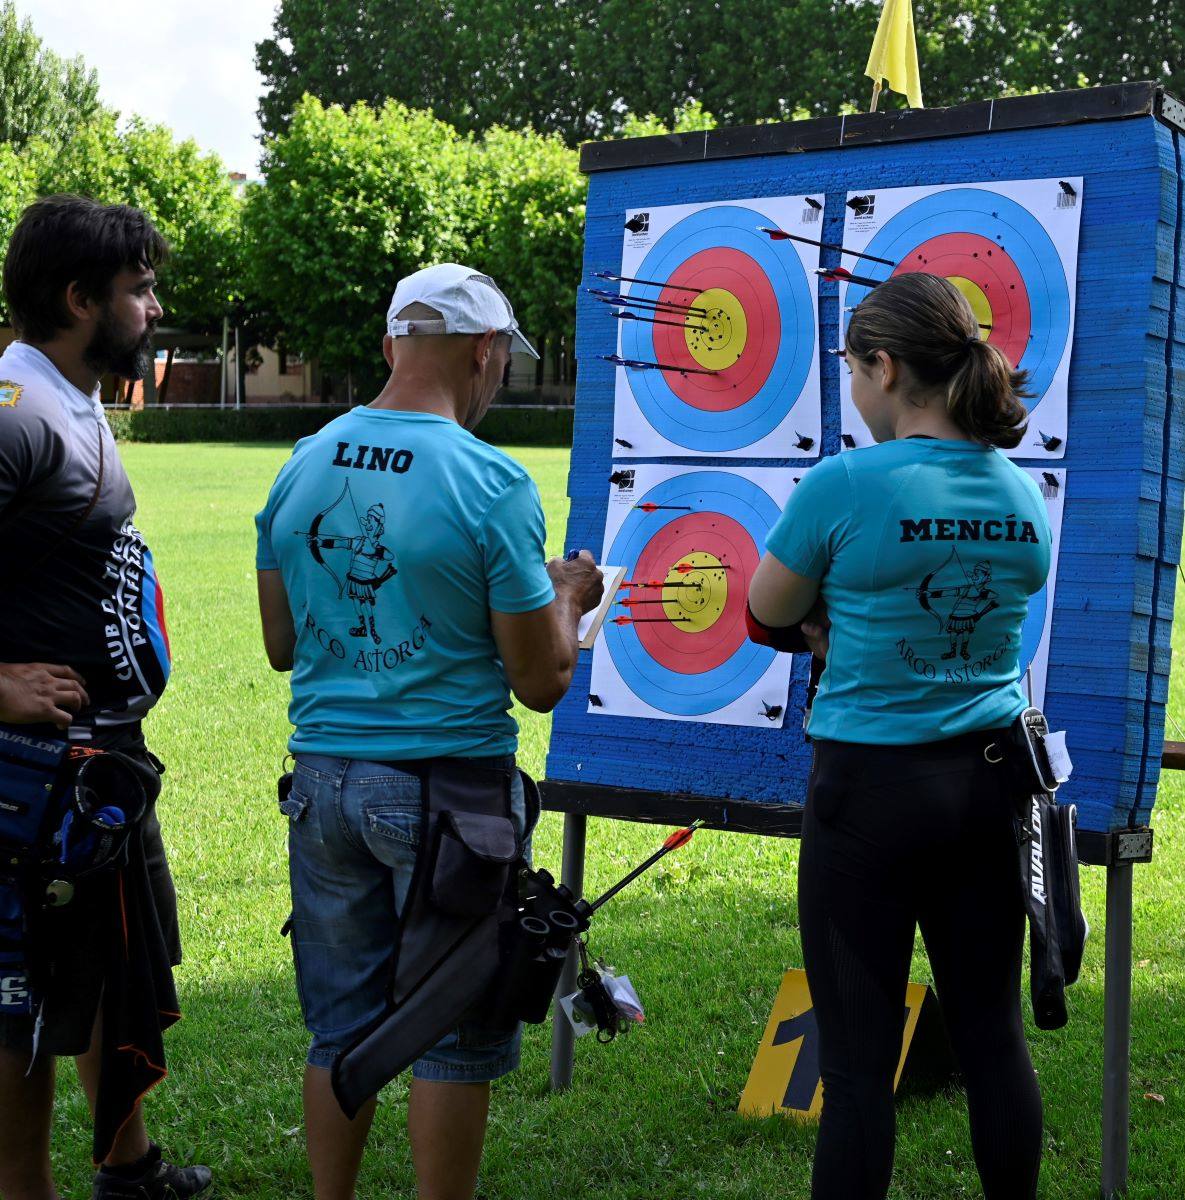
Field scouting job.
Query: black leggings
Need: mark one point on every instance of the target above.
(896, 837)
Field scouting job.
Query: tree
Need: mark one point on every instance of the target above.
(18, 186)
(527, 222)
(354, 200)
(578, 67)
(690, 117)
(186, 194)
(41, 95)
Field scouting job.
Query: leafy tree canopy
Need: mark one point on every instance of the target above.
(354, 199)
(578, 67)
(41, 95)
(185, 192)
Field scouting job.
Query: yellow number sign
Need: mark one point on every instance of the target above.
(785, 1073)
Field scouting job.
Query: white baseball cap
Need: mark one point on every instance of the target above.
(468, 302)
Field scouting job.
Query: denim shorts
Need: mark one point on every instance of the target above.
(353, 838)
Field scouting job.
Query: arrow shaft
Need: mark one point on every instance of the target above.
(796, 237)
(637, 365)
(656, 583)
(628, 316)
(674, 287)
(661, 852)
(859, 280)
(650, 620)
(654, 305)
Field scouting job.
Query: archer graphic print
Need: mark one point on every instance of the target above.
(959, 597)
(970, 602)
(931, 557)
(395, 534)
(369, 566)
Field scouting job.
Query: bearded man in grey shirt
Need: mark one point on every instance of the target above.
(83, 645)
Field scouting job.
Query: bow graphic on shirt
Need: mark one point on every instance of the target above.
(314, 534)
(926, 590)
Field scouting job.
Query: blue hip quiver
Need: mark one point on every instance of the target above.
(30, 813)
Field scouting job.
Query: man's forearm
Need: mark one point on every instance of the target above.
(568, 614)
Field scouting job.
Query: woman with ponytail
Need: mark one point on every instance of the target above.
(909, 565)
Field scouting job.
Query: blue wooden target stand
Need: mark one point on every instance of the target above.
(1124, 458)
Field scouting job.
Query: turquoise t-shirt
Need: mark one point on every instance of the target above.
(927, 552)
(395, 533)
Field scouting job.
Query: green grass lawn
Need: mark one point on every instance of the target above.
(705, 938)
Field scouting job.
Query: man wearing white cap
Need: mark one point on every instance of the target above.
(402, 581)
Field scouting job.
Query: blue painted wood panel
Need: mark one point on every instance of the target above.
(1125, 455)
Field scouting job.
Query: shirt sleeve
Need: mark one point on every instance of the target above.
(33, 447)
(511, 537)
(807, 533)
(265, 556)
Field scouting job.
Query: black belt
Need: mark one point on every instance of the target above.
(975, 742)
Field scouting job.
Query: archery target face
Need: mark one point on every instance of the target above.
(1012, 250)
(674, 644)
(1034, 639)
(733, 319)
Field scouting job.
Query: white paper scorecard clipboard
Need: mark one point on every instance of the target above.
(591, 622)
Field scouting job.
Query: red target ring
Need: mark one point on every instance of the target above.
(735, 272)
(989, 266)
(710, 533)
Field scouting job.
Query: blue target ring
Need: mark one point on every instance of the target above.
(670, 691)
(1021, 236)
(734, 228)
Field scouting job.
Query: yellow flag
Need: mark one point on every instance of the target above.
(894, 55)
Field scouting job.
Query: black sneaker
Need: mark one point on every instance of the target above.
(150, 1179)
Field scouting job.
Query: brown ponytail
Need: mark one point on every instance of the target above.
(925, 322)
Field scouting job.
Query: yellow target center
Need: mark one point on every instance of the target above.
(716, 329)
(979, 302)
(698, 601)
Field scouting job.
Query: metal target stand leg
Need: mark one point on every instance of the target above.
(1117, 1031)
(1117, 853)
(563, 1036)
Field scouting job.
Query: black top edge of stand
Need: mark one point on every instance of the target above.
(671, 808)
(1110, 103)
(1098, 849)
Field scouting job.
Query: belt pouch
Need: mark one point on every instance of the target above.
(29, 765)
(474, 854)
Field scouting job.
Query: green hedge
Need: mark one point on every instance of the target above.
(519, 425)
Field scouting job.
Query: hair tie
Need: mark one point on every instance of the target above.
(973, 340)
